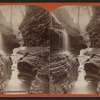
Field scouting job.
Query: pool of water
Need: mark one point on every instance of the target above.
(17, 85)
(81, 86)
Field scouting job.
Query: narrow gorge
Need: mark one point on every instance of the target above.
(53, 52)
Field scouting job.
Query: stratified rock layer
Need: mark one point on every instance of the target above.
(34, 27)
(34, 62)
(93, 28)
(43, 37)
(59, 74)
(8, 39)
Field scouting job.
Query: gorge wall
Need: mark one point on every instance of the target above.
(49, 46)
(42, 33)
(92, 66)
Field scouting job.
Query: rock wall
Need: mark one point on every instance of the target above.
(36, 39)
(35, 27)
(51, 70)
(93, 28)
(7, 43)
(92, 67)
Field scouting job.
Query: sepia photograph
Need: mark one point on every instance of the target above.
(44, 52)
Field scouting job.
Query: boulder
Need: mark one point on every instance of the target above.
(34, 63)
(59, 74)
(63, 71)
(92, 64)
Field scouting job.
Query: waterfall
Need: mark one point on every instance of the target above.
(82, 86)
(65, 41)
(1, 42)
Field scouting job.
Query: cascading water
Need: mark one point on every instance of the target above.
(16, 85)
(82, 86)
(65, 41)
(1, 42)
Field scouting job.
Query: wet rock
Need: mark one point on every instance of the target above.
(5, 64)
(98, 88)
(32, 59)
(92, 72)
(38, 86)
(43, 36)
(9, 41)
(59, 74)
(75, 39)
(92, 65)
(56, 40)
(63, 71)
(34, 63)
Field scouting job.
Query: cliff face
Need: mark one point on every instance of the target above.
(93, 28)
(42, 35)
(35, 27)
(92, 67)
(36, 39)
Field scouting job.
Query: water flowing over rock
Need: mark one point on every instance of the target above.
(8, 39)
(76, 41)
(33, 63)
(91, 64)
(62, 70)
(43, 56)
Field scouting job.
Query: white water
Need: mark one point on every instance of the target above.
(1, 42)
(65, 41)
(82, 86)
(16, 85)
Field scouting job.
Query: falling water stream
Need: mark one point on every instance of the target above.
(16, 85)
(81, 86)
(65, 41)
